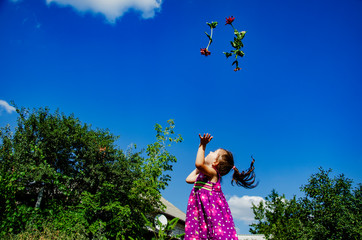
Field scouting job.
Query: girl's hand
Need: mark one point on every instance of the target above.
(205, 139)
(200, 162)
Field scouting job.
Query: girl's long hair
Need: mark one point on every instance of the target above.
(245, 179)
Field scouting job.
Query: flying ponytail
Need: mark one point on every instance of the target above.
(245, 179)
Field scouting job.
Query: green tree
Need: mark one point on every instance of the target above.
(330, 209)
(278, 218)
(54, 168)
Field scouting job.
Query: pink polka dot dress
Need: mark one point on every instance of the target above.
(208, 214)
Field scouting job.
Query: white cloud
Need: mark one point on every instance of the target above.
(112, 9)
(241, 207)
(6, 106)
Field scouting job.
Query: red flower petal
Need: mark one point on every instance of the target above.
(229, 20)
(205, 52)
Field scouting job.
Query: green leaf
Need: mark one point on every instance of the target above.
(238, 43)
(241, 35)
(239, 53)
(227, 54)
(208, 36)
(212, 24)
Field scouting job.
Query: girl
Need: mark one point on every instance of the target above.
(208, 215)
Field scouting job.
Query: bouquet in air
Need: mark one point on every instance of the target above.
(236, 44)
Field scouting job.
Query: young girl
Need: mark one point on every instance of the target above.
(208, 215)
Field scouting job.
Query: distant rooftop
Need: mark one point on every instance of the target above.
(173, 211)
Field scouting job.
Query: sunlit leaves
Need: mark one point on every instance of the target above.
(53, 163)
(330, 209)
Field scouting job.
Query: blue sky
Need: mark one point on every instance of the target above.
(294, 106)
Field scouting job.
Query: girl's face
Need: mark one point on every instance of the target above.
(212, 158)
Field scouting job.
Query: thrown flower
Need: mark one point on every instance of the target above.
(229, 20)
(205, 52)
(237, 44)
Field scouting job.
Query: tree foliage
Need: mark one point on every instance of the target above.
(56, 169)
(278, 218)
(330, 209)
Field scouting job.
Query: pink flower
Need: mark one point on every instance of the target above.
(205, 52)
(213, 211)
(195, 212)
(204, 226)
(191, 200)
(229, 20)
(218, 231)
(187, 225)
(203, 197)
(228, 217)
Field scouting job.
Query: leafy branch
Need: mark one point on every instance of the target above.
(205, 51)
(237, 44)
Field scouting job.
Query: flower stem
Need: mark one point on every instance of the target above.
(208, 45)
(233, 27)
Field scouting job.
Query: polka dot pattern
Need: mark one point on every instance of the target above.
(208, 215)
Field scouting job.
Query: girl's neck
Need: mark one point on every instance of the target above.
(215, 178)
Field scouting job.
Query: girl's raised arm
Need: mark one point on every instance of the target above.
(193, 176)
(200, 157)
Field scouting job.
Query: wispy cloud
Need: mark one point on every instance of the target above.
(241, 207)
(112, 9)
(7, 107)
